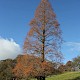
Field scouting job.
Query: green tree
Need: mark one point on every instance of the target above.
(76, 63)
(69, 66)
(6, 67)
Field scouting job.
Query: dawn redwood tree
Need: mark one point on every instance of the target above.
(44, 38)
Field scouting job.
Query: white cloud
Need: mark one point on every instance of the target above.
(74, 46)
(8, 48)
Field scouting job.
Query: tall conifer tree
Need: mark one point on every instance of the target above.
(44, 36)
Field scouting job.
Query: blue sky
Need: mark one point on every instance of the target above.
(15, 16)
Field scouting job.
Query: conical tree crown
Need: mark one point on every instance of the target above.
(45, 9)
(45, 35)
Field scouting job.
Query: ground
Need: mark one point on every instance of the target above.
(66, 76)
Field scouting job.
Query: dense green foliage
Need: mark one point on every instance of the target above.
(6, 67)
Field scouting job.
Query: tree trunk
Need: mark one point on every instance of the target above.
(41, 78)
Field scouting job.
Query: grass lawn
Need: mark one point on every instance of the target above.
(66, 76)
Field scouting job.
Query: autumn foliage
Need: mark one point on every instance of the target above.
(44, 36)
(31, 66)
(43, 40)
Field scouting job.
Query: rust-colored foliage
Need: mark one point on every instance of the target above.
(43, 39)
(44, 36)
(31, 66)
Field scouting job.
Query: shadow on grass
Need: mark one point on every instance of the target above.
(77, 78)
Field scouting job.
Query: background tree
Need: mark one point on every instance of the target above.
(76, 63)
(69, 66)
(6, 67)
(62, 68)
(66, 68)
(44, 38)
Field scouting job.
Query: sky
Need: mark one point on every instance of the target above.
(15, 16)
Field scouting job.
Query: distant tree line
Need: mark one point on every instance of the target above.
(73, 65)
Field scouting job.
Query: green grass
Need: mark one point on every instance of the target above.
(66, 76)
